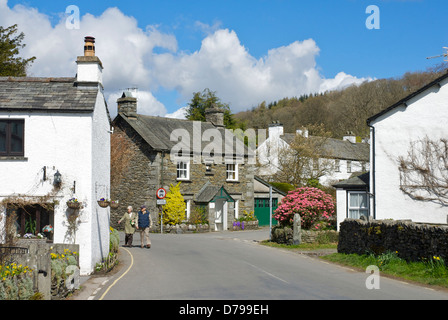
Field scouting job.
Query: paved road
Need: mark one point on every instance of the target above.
(232, 266)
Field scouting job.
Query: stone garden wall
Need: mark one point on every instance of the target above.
(412, 241)
(284, 235)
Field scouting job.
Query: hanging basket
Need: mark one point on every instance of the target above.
(73, 205)
(114, 204)
(103, 203)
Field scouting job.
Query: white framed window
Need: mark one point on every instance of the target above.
(232, 172)
(358, 204)
(349, 166)
(183, 170)
(187, 209)
(237, 208)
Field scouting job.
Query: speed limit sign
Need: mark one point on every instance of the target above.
(161, 193)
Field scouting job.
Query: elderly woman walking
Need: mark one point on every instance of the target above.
(130, 224)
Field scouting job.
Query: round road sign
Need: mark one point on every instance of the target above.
(161, 193)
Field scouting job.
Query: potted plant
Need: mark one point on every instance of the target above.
(114, 204)
(73, 203)
(48, 231)
(103, 203)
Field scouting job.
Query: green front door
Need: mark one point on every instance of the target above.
(261, 211)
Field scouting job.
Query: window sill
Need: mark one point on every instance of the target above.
(13, 158)
(233, 181)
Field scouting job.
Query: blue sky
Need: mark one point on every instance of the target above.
(288, 46)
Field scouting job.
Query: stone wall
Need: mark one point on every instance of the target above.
(284, 235)
(38, 258)
(412, 241)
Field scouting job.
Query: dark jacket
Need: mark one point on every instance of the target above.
(144, 220)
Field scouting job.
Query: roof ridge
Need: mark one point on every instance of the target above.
(37, 79)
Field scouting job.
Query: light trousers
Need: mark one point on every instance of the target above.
(144, 235)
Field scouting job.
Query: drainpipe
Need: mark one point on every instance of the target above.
(372, 168)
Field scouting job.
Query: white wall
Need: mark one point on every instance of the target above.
(426, 114)
(100, 182)
(78, 146)
(341, 206)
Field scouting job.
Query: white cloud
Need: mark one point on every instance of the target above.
(178, 114)
(224, 65)
(221, 64)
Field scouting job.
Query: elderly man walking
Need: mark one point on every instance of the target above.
(143, 225)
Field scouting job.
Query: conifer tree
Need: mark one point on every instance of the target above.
(10, 64)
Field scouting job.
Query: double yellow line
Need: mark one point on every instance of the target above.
(132, 263)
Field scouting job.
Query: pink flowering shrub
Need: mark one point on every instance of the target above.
(314, 206)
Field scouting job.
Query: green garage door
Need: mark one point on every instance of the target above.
(261, 210)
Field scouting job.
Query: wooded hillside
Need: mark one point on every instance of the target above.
(338, 111)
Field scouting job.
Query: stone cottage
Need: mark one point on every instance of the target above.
(214, 168)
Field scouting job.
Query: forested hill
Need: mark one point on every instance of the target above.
(338, 111)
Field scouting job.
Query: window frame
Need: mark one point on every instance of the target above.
(233, 172)
(8, 138)
(180, 170)
(358, 208)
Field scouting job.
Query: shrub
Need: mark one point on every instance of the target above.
(174, 210)
(312, 204)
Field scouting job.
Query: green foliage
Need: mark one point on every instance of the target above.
(10, 44)
(431, 271)
(208, 99)
(174, 210)
(285, 187)
(247, 216)
(16, 282)
(198, 216)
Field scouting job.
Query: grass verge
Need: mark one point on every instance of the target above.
(430, 272)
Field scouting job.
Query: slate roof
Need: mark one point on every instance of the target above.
(156, 131)
(208, 193)
(338, 149)
(356, 181)
(45, 94)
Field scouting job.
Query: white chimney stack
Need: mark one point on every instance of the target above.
(350, 136)
(90, 68)
(275, 129)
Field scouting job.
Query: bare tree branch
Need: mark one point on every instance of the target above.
(424, 172)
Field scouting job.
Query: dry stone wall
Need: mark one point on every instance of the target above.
(412, 241)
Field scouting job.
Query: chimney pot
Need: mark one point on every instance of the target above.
(89, 46)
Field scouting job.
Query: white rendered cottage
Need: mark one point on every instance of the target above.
(51, 129)
(343, 157)
(420, 116)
